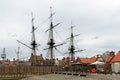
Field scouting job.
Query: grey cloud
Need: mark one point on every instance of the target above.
(97, 20)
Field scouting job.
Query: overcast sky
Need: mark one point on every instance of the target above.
(98, 22)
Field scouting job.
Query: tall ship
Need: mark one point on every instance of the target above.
(38, 59)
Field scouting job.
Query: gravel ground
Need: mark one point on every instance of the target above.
(71, 77)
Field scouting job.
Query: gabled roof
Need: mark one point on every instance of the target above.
(116, 58)
(84, 60)
(109, 59)
(93, 59)
(88, 60)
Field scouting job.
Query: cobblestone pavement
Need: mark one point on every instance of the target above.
(71, 77)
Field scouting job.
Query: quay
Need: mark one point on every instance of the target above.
(71, 73)
(72, 77)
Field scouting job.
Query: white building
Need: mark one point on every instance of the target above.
(115, 65)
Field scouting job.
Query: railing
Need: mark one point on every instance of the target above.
(27, 69)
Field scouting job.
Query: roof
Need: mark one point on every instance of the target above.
(109, 58)
(84, 60)
(39, 58)
(116, 58)
(98, 62)
(8, 62)
(88, 60)
(92, 59)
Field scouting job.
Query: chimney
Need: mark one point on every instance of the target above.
(112, 53)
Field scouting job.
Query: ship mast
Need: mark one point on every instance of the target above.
(72, 47)
(33, 43)
(51, 42)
